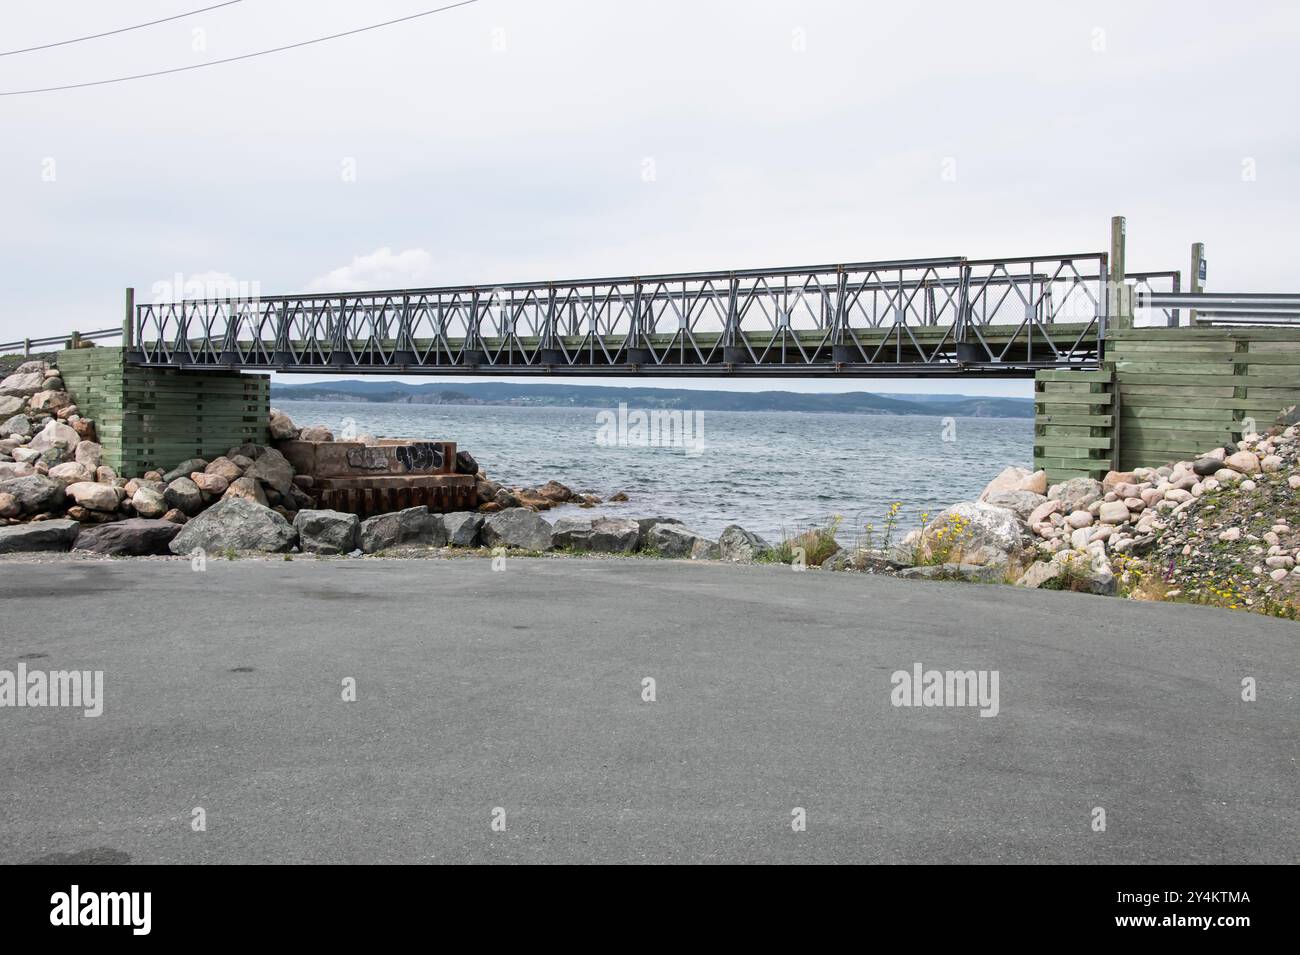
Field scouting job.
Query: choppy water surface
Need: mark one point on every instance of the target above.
(768, 471)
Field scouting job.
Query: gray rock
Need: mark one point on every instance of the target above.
(1076, 494)
(415, 525)
(149, 502)
(282, 427)
(17, 469)
(572, 532)
(38, 536)
(22, 384)
(973, 533)
(327, 532)
(1022, 503)
(1205, 467)
(272, 469)
(736, 543)
(185, 469)
(1038, 574)
(613, 535)
(516, 527)
(974, 573)
(837, 561)
(645, 523)
(10, 405)
(35, 493)
(18, 424)
(672, 540)
(599, 534)
(135, 537)
(705, 549)
(238, 524)
(184, 495)
(462, 528)
(55, 436)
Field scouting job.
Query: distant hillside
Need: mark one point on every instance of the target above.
(602, 396)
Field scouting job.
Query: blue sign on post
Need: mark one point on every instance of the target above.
(1201, 271)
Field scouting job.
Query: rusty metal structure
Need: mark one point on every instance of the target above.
(381, 476)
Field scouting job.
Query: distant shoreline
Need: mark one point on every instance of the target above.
(531, 395)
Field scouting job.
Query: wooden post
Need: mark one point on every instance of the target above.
(128, 321)
(1198, 275)
(1115, 280)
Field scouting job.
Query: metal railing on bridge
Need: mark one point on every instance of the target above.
(912, 317)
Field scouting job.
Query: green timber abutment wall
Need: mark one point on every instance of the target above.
(1163, 394)
(149, 418)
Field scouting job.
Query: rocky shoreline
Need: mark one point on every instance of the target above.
(1222, 529)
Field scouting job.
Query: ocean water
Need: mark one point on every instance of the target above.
(767, 471)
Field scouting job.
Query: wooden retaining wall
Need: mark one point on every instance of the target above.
(150, 418)
(1164, 394)
(1074, 416)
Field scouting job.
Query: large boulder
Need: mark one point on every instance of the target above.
(34, 493)
(246, 488)
(465, 463)
(70, 472)
(237, 524)
(736, 543)
(327, 532)
(462, 528)
(182, 493)
(1009, 479)
(1076, 493)
(516, 527)
(571, 533)
(11, 405)
(18, 424)
(41, 535)
(22, 384)
(136, 537)
(49, 401)
(613, 535)
(645, 523)
(414, 525)
(226, 468)
(149, 502)
(281, 426)
(96, 497)
(972, 533)
(1022, 503)
(673, 540)
(55, 436)
(89, 453)
(184, 469)
(272, 469)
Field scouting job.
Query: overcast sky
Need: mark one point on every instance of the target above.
(510, 140)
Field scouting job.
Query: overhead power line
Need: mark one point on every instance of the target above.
(138, 26)
(244, 56)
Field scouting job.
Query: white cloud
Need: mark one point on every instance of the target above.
(381, 269)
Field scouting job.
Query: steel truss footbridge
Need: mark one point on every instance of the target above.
(909, 317)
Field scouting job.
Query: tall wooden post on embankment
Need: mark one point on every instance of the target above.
(156, 417)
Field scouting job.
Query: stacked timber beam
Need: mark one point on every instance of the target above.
(1074, 416)
(1163, 394)
(150, 418)
(1184, 390)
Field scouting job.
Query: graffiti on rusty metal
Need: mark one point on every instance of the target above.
(419, 456)
(368, 459)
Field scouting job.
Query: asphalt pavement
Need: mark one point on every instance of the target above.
(519, 697)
